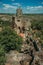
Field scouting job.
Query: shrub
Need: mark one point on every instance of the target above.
(2, 55)
(10, 40)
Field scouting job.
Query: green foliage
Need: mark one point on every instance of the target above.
(2, 55)
(4, 23)
(37, 25)
(38, 33)
(10, 40)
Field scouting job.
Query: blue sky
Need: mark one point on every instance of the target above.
(28, 6)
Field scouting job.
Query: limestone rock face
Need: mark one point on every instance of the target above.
(14, 58)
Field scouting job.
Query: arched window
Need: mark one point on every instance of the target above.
(18, 20)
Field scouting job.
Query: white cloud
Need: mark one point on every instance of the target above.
(7, 6)
(38, 7)
(11, 8)
(16, 4)
(34, 7)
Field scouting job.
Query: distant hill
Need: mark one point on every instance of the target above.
(38, 17)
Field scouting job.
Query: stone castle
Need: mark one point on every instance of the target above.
(19, 22)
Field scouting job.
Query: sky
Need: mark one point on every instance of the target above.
(27, 6)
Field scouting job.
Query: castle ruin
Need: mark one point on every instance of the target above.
(19, 22)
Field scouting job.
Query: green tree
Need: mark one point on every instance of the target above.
(10, 40)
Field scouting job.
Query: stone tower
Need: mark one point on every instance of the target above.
(19, 12)
(18, 18)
